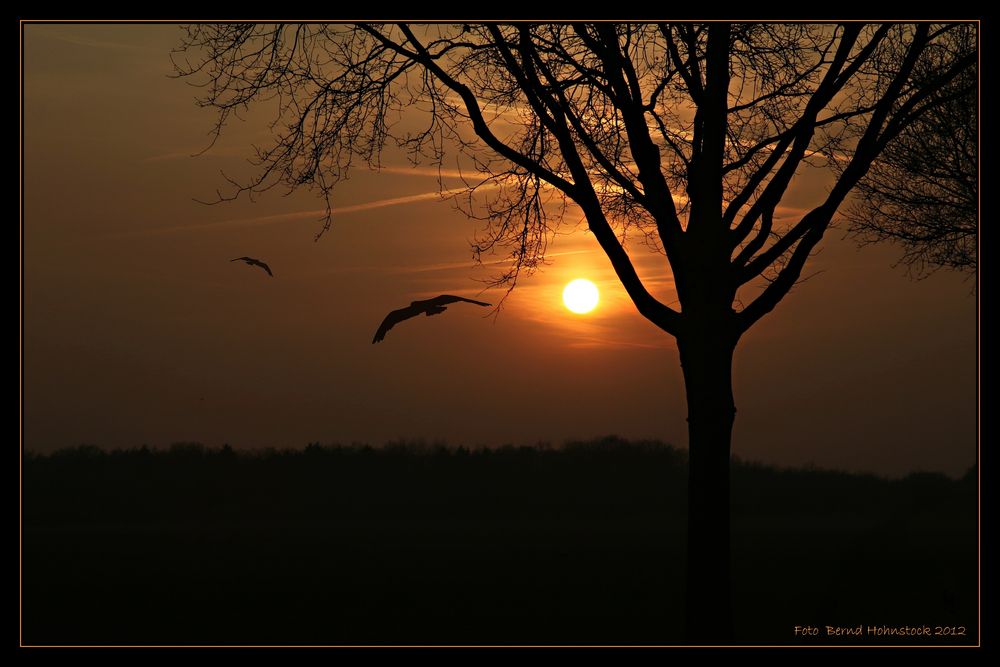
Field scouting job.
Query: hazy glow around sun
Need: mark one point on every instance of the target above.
(581, 296)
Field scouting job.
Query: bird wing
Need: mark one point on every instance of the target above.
(445, 299)
(394, 318)
(265, 267)
(245, 259)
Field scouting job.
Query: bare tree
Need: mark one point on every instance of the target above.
(688, 135)
(922, 192)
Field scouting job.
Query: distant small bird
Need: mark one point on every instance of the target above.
(254, 262)
(428, 307)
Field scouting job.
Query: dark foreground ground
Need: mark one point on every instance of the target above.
(411, 545)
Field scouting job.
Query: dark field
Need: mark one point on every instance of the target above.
(424, 545)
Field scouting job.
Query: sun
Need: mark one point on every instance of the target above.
(581, 296)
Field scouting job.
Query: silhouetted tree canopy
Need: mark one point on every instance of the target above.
(637, 124)
(922, 193)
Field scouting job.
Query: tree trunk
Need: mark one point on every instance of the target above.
(707, 364)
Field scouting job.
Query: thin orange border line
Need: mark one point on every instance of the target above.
(20, 339)
(720, 646)
(979, 473)
(979, 334)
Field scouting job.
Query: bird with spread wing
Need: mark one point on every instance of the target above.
(254, 262)
(428, 307)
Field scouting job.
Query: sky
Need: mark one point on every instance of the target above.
(137, 329)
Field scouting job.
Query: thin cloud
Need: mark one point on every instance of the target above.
(316, 214)
(428, 268)
(448, 266)
(425, 171)
(395, 201)
(229, 224)
(615, 342)
(603, 330)
(194, 153)
(91, 43)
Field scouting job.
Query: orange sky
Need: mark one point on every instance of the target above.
(137, 328)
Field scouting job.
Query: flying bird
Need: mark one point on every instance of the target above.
(254, 262)
(428, 307)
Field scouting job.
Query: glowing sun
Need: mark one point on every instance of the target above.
(581, 296)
